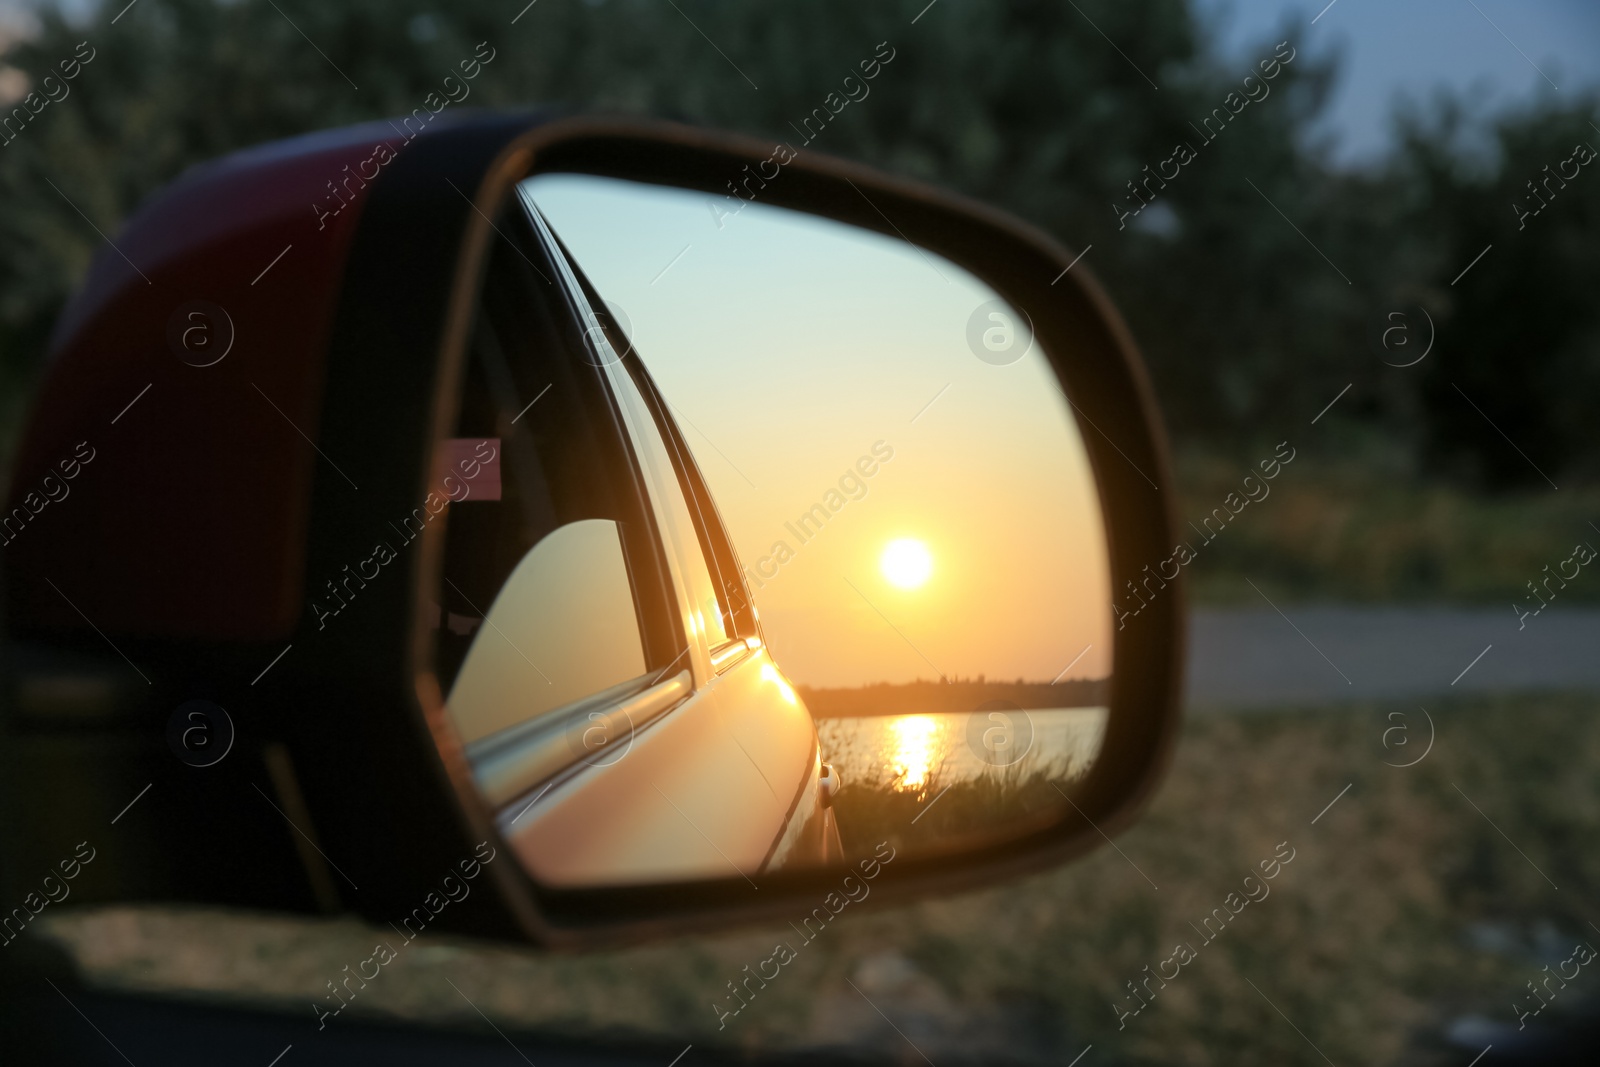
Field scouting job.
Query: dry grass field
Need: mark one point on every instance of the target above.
(1403, 908)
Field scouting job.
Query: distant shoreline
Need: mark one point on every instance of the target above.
(943, 698)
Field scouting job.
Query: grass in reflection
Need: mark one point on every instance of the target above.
(872, 812)
(914, 780)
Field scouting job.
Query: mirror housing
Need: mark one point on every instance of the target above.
(348, 787)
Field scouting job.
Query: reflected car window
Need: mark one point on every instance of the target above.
(707, 608)
(562, 628)
(545, 593)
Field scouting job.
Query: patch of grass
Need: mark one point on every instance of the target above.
(871, 812)
(1366, 942)
(1329, 531)
(875, 803)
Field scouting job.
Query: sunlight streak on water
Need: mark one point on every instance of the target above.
(918, 743)
(919, 753)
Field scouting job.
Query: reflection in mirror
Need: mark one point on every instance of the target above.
(571, 607)
(853, 588)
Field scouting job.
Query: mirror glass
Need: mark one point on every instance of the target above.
(796, 559)
(570, 604)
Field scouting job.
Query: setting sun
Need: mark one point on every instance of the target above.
(906, 563)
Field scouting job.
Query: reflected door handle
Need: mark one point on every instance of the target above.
(829, 782)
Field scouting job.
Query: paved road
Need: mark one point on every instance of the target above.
(1252, 658)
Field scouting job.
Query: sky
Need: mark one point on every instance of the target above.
(1408, 47)
(792, 350)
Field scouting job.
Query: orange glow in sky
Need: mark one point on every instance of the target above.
(903, 508)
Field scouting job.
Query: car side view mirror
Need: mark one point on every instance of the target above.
(671, 526)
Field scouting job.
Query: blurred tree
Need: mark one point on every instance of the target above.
(1251, 281)
(1512, 398)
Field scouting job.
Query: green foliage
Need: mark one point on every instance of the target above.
(1352, 530)
(1521, 328)
(1022, 103)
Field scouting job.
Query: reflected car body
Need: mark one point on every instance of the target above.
(248, 393)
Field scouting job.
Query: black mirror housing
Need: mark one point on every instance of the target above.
(199, 545)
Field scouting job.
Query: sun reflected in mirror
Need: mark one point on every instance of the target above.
(906, 562)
